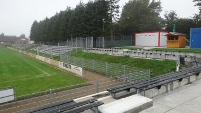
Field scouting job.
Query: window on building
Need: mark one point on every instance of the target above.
(173, 38)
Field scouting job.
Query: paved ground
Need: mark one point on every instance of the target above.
(186, 99)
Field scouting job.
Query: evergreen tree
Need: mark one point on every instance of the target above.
(170, 19)
(140, 16)
(85, 20)
(197, 2)
(34, 31)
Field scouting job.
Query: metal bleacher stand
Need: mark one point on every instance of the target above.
(157, 82)
(68, 106)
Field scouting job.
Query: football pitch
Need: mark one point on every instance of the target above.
(29, 76)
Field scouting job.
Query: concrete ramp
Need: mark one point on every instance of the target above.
(132, 104)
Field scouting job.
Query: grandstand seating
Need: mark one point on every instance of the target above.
(157, 82)
(67, 106)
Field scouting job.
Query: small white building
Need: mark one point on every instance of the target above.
(151, 39)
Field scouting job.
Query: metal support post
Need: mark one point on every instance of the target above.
(189, 79)
(37, 51)
(103, 42)
(149, 73)
(96, 110)
(97, 86)
(82, 63)
(178, 63)
(166, 87)
(86, 42)
(93, 65)
(129, 78)
(50, 95)
(138, 91)
(71, 41)
(51, 56)
(171, 85)
(125, 71)
(106, 68)
(76, 44)
(60, 56)
(143, 92)
(74, 60)
(67, 59)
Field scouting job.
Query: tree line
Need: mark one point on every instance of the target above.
(101, 18)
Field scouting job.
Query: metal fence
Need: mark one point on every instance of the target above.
(118, 41)
(56, 95)
(111, 69)
(86, 42)
(50, 51)
(100, 42)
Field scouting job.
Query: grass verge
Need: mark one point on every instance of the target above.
(157, 67)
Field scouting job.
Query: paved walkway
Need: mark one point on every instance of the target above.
(186, 99)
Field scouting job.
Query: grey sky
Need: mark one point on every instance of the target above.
(17, 16)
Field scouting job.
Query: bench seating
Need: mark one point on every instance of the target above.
(157, 81)
(49, 106)
(68, 106)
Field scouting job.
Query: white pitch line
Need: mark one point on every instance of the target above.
(36, 67)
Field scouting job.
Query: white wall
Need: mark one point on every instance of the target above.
(151, 39)
(74, 69)
(6, 95)
(147, 39)
(163, 39)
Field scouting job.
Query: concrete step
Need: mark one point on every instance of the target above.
(131, 104)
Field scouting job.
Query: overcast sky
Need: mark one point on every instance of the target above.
(17, 16)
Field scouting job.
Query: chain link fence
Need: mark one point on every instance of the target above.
(118, 41)
(99, 42)
(112, 69)
(56, 95)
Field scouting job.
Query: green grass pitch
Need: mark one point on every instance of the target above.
(29, 76)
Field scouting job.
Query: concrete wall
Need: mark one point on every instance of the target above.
(71, 68)
(68, 67)
(145, 54)
(174, 85)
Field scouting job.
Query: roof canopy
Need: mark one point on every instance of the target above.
(175, 34)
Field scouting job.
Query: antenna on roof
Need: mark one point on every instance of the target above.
(174, 28)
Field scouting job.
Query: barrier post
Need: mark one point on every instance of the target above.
(37, 51)
(51, 54)
(97, 86)
(82, 63)
(125, 71)
(93, 65)
(67, 59)
(50, 95)
(106, 67)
